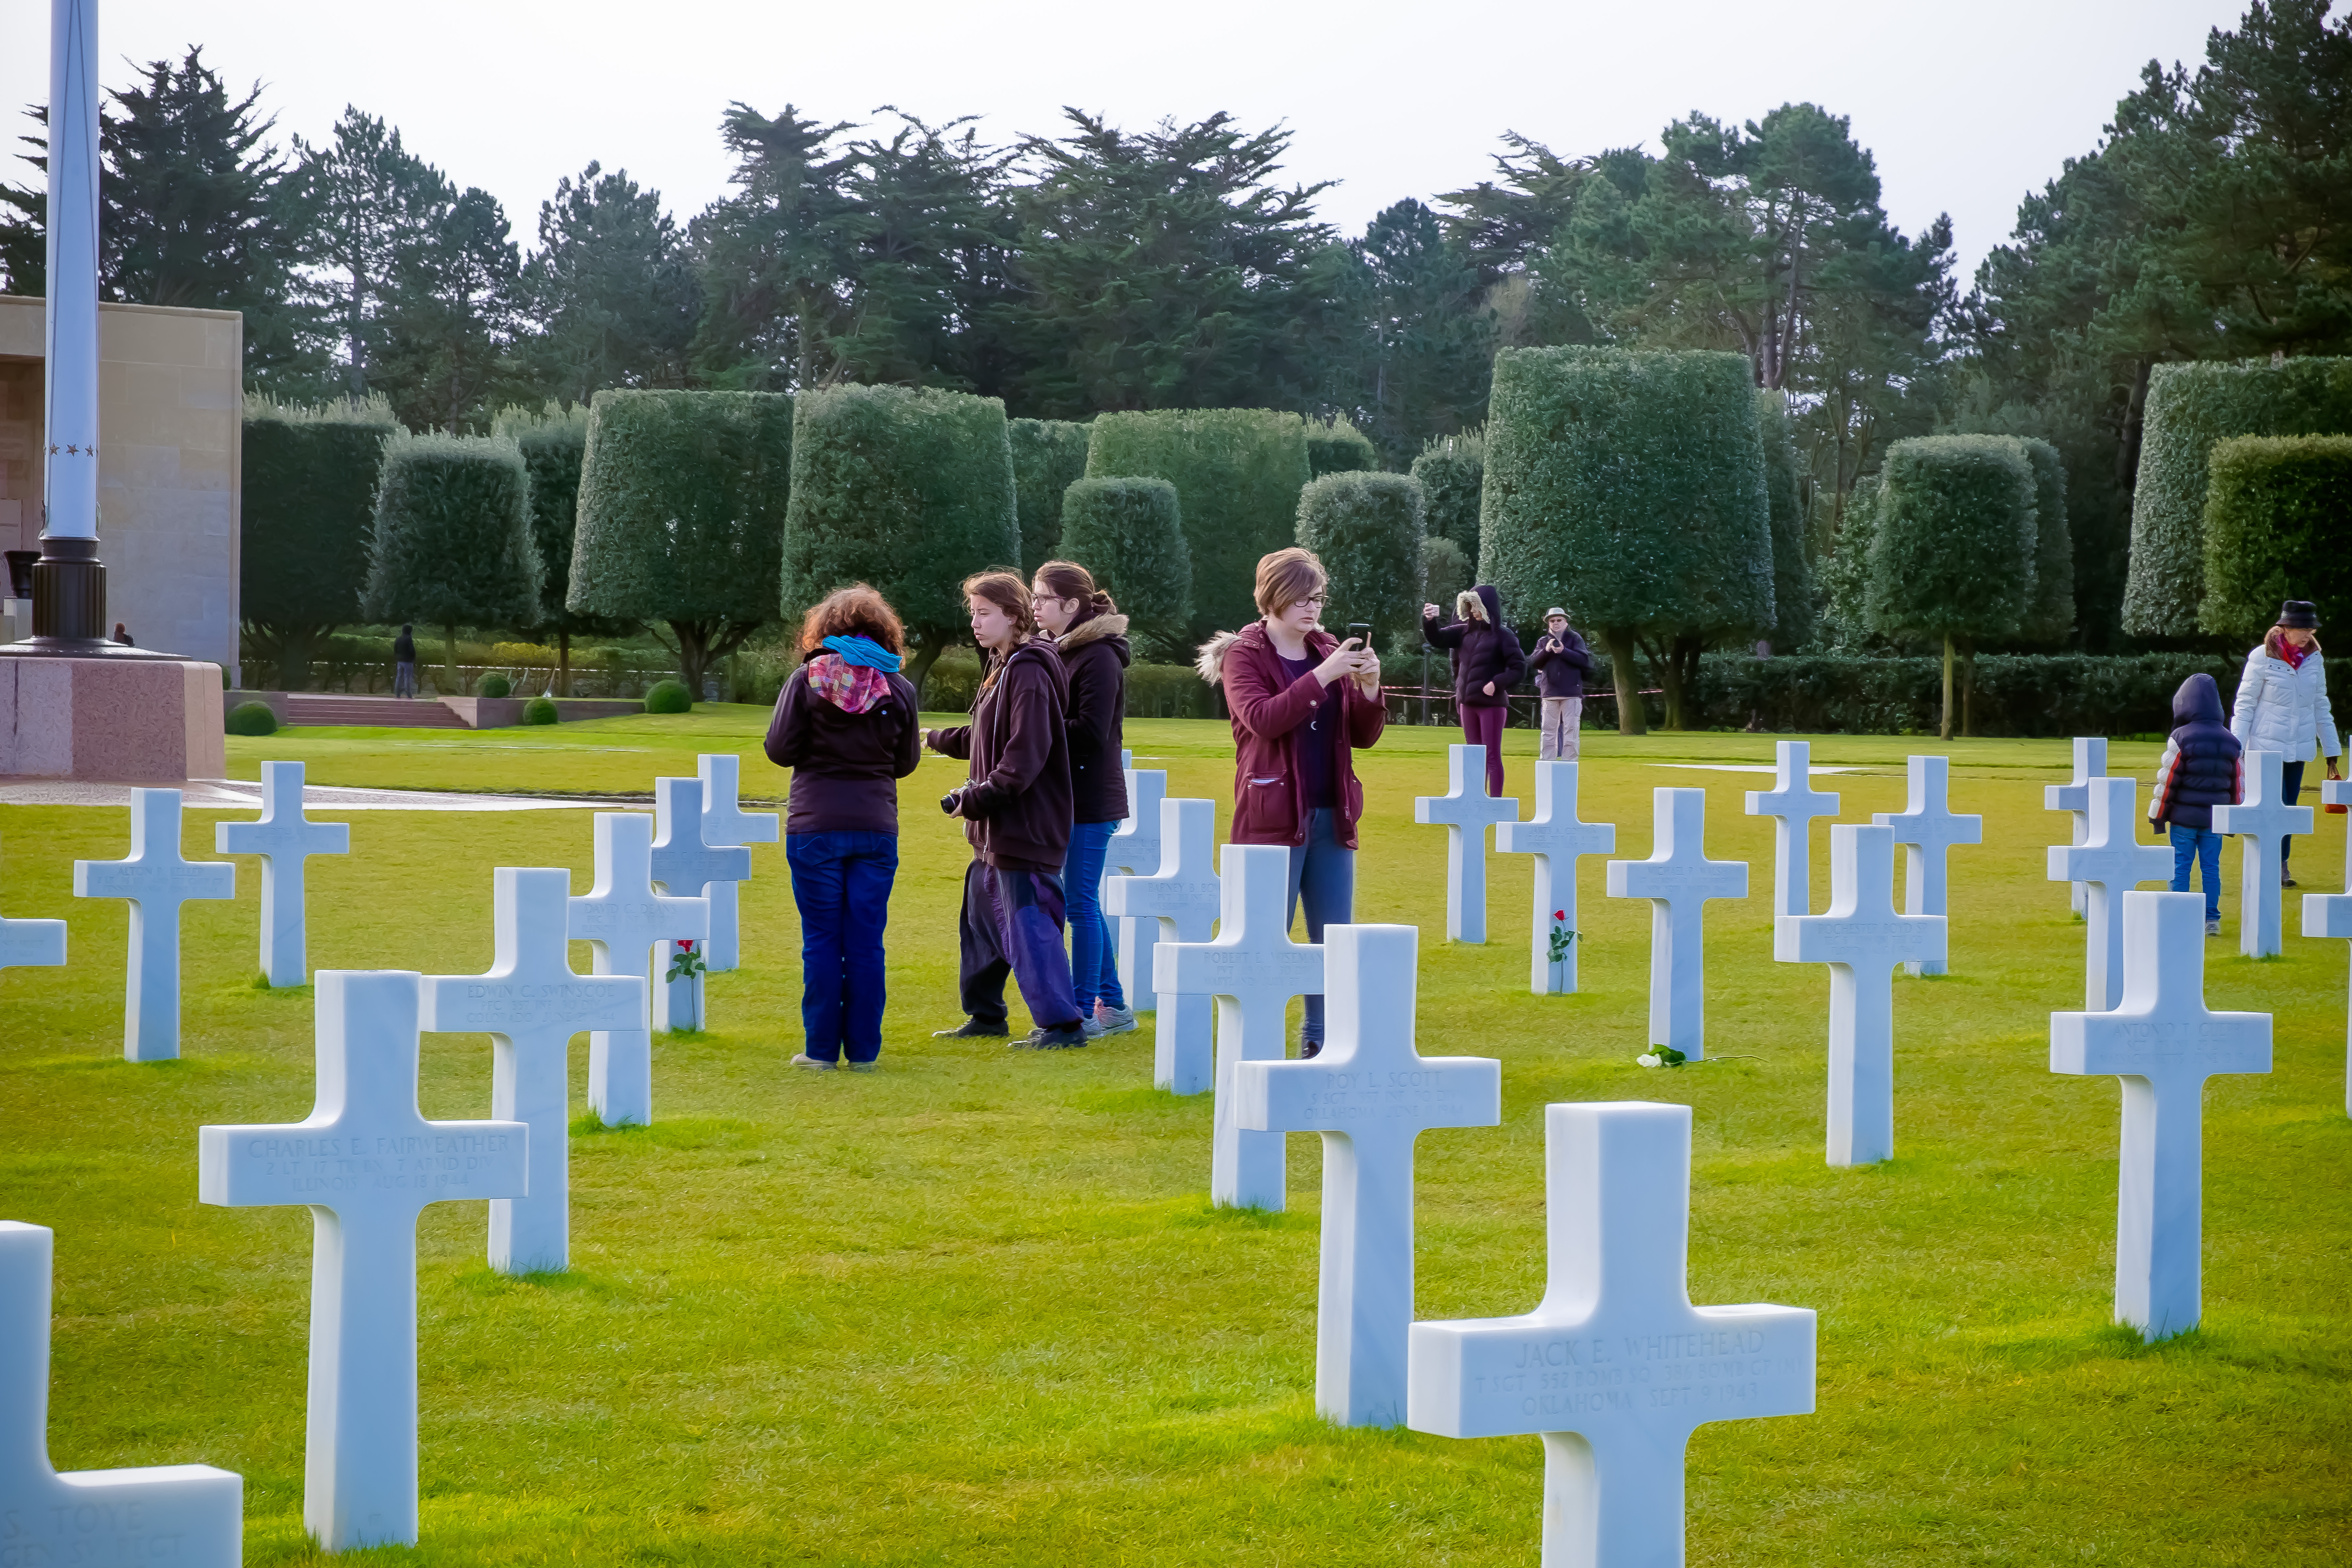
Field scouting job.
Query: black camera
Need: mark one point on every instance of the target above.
(950, 801)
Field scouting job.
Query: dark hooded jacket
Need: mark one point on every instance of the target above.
(1095, 656)
(2203, 765)
(1017, 806)
(849, 744)
(1484, 651)
(1561, 672)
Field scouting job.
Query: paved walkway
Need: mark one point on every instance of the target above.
(242, 794)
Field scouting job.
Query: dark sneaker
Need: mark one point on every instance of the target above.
(1309, 1049)
(2212, 928)
(806, 1060)
(1110, 1020)
(2287, 875)
(971, 1030)
(1070, 1035)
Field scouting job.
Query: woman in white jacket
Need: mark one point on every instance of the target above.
(2281, 705)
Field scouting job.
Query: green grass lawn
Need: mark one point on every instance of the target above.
(976, 1308)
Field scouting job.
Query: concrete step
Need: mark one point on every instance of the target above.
(373, 712)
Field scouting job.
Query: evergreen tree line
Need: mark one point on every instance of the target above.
(1104, 269)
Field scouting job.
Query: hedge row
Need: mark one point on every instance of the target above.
(1153, 691)
(2064, 694)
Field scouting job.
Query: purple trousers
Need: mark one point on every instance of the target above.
(1012, 924)
(1483, 726)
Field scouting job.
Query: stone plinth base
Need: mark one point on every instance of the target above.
(148, 720)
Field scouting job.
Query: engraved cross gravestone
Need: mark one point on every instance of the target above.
(365, 1163)
(284, 839)
(622, 918)
(1927, 827)
(1678, 878)
(1253, 969)
(1555, 831)
(685, 867)
(156, 880)
(2074, 797)
(2263, 825)
(1862, 939)
(728, 825)
(2108, 861)
(31, 944)
(1466, 809)
(1180, 900)
(1792, 802)
(1371, 1094)
(1614, 1368)
(530, 1003)
(1134, 851)
(2323, 914)
(2164, 1044)
(190, 1516)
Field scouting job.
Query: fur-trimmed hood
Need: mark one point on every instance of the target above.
(1095, 628)
(1209, 663)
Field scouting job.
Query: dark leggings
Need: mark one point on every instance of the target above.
(2290, 786)
(1483, 726)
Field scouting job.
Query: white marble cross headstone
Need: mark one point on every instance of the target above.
(1862, 939)
(684, 866)
(2074, 797)
(1370, 1095)
(2323, 914)
(624, 918)
(1678, 878)
(1927, 827)
(1253, 969)
(2164, 1044)
(284, 839)
(1466, 809)
(2263, 825)
(156, 880)
(1134, 851)
(1792, 802)
(31, 944)
(1180, 902)
(1615, 1368)
(530, 1003)
(728, 825)
(365, 1163)
(1554, 830)
(189, 1516)
(2109, 861)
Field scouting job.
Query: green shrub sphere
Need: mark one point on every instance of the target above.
(494, 686)
(539, 710)
(668, 697)
(252, 718)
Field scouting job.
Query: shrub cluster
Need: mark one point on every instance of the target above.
(1453, 473)
(1956, 539)
(1129, 533)
(1368, 529)
(308, 501)
(1335, 446)
(452, 542)
(2275, 518)
(1047, 456)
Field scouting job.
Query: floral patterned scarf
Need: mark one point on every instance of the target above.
(853, 688)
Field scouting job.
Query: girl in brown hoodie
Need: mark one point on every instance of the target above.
(1016, 813)
(1090, 636)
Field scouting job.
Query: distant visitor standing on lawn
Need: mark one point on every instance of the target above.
(2203, 767)
(2283, 706)
(1486, 664)
(1017, 811)
(845, 725)
(1302, 702)
(404, 662)
(1561, 662)
(1090, 637)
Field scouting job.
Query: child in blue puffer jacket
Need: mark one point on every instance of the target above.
(2203, 767)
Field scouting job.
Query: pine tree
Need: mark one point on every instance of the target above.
(611, 289)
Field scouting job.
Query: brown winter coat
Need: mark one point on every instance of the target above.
(1268, 709)
(1017, 806)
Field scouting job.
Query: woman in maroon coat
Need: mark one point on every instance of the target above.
(1302, 701)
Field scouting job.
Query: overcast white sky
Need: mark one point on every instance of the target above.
(1966, 106)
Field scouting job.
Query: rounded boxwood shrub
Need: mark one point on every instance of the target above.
(539, 710)
(668, 697)
(494, 686)
(252, 718)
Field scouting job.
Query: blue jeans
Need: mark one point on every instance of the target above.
(842, 883)
(1323, 872)
(1094, 953)
(2203, 845)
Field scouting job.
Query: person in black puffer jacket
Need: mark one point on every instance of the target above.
(1487, 662)
(2203, 767)
(1560, 661)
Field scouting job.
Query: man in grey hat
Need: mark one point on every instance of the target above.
(1561, 662)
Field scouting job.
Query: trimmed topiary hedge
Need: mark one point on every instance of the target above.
(682, 498)
(1129, 533)
(1792, 556)
(2274, 528)
(668, 697)
(307, 479)
(2190, 407)
(1368, 529)
(1452, 472)
(2051, 614)
(1335, 446)
(2024, 694)
(452, 542)
(555, 445)
(1238, 473)
(251, 718)
(908, 491)
(1047, 456)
